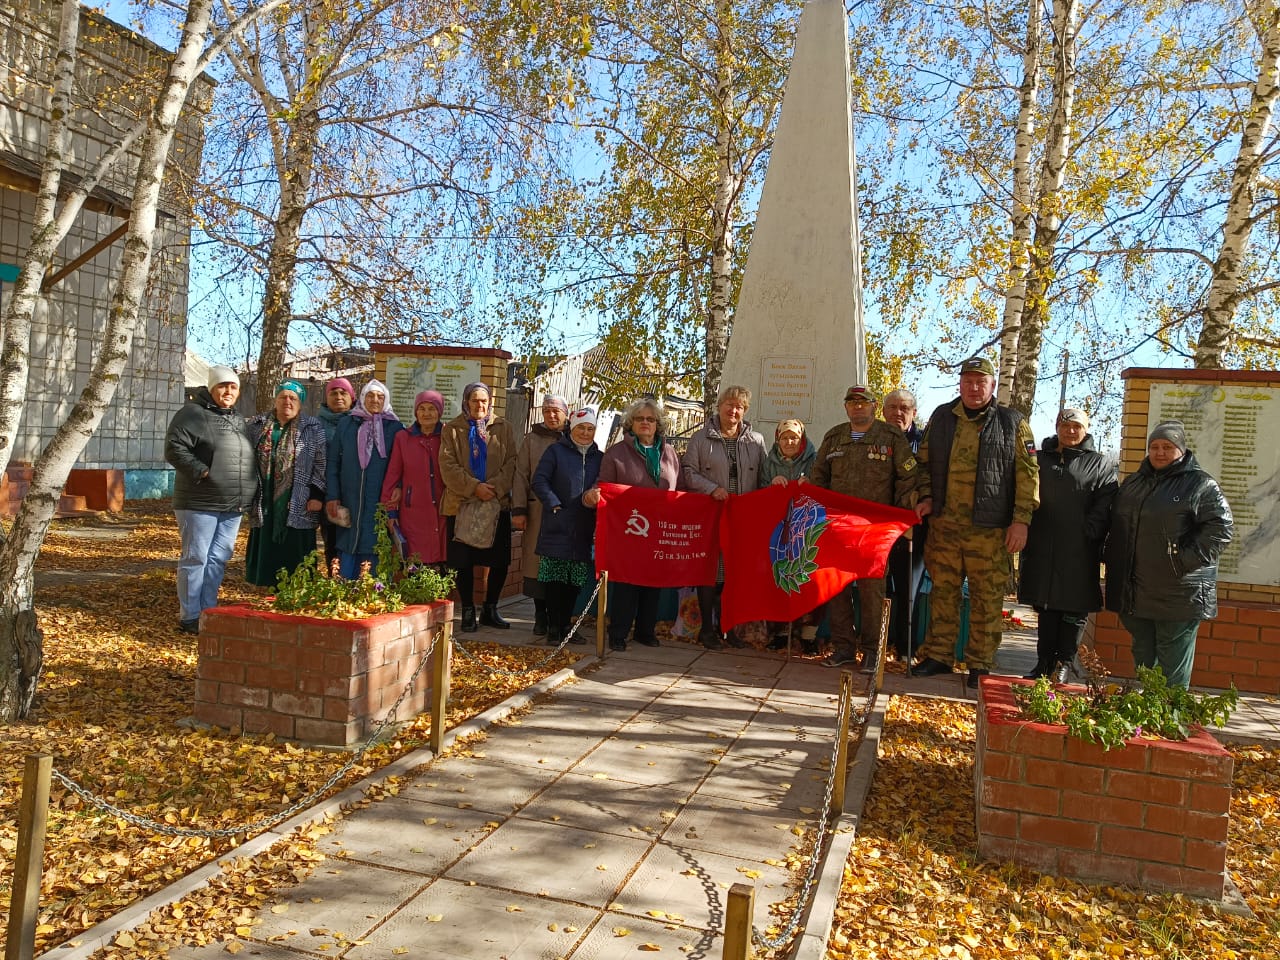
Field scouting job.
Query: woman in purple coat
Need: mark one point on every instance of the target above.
(642, 458)
(413, 486)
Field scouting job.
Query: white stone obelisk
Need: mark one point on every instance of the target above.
(798, 339)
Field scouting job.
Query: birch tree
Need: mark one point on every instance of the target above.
(21, 654)
(1258, 143)
(680, 101)
(355, 135)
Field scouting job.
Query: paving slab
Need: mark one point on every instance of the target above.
(609, 806)
(639, 763)
(550, 748)
(488, 784)
(676, 654)
(454, 921)
(735, 829)
(590, 693)
(641, 934)
(409, 835)
(757, 781)
(338, 903)
(678, 731)
(580, 866)
(695, 884)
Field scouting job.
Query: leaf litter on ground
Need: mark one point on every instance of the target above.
(118, 680)
(913, 886)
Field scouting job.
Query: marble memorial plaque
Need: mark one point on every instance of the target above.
(1234, 432)
(409, 374)
(786, 389)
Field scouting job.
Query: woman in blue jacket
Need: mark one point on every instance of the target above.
(565, 483)
(358, 456)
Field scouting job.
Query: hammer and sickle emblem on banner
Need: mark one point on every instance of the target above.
(637, 525)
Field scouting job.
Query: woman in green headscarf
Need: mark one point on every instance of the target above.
(290, 450)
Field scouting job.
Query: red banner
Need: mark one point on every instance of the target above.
(656, 538)
(788, 549)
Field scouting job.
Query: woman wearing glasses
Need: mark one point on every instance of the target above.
(723, 458)
(642, 458)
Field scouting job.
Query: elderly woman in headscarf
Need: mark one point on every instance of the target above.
(565, 482)
(642, 458)
(791, 459)
(526, 509)
(413, 488)
(1169, 525)
(478, 462)
(339, 395)
(290, 451)
(358, 457)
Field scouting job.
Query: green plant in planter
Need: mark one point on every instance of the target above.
(317, 591)
(1109, 714)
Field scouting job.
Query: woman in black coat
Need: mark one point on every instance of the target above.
(565, 482)
(1059, 574)
(1169, 525)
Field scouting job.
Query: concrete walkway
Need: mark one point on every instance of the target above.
(609, 819)
(614, 815)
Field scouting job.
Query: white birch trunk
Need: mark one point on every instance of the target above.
(1021, 217)
(50, 228)
(1223, 296)
(722, 216)
(1049, 201)
(15, 355)
(20, 642)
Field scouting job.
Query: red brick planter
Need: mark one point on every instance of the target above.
(1152, 813)
(321, 681)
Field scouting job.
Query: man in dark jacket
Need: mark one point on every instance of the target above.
(1059, 573)
(979, 486)
(1169, 525)
(215, 479)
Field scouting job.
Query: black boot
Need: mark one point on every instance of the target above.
(469, 620)
(539, 618)
(490, 618)
(1043, 667)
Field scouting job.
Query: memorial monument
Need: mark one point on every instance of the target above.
(798, 339)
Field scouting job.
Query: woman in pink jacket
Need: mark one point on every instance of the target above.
(413, 487)
(642, 458)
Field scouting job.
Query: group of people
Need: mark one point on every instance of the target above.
(292, 473)
(453, 492)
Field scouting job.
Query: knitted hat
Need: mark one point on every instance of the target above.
(339, 383)
(579, 417)
(1171, 430)
(220, 374)
(432, 397)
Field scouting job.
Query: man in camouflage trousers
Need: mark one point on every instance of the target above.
(869, 459)
(979, 485)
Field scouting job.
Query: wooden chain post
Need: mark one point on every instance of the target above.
(602, 609)
(878, 682)
(737, 922)
(24, 901)
(441, 658)
(841, 772)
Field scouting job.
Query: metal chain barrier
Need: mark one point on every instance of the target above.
(824, 828)
(155, 826)
(470, 657)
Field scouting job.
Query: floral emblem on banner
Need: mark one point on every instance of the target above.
(793, 547)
